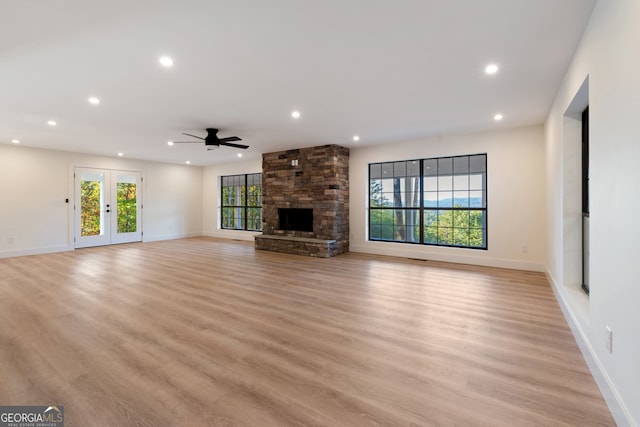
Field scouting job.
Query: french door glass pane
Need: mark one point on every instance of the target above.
(91, 198)
(127, 193)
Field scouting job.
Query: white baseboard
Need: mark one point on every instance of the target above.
(54, 249)
(447, 255)
(614, 401)
(35, 251)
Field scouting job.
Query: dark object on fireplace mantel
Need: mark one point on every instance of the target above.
(295, 219)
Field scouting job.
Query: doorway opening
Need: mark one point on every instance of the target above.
(575, 171)
(585, 200)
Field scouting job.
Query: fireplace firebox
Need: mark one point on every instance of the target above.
(295, 219)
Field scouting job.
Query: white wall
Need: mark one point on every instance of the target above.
(211, 197)
(34, 184)
(516, 201)
(608, 56)
(172, 201)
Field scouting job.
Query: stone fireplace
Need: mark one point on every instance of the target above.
(305, 201)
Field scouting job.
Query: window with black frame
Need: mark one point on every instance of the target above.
(241, 202)
(438, 201)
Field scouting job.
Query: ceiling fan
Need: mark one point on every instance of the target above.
(211, 141)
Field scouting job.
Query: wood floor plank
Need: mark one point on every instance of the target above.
(210, 332)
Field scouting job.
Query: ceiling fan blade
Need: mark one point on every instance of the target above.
(228, 144)
(187, 142)
(195, 136)
(230, 139)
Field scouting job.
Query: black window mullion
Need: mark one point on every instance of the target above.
(421, 198)
(246, 201)
(369, 203)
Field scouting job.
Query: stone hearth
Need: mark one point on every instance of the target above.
(314, 178)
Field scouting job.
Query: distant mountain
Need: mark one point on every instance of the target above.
(474, 202)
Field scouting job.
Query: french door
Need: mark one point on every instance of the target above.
(107, 207)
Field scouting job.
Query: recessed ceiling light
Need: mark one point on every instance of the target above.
(188, 162)
(170, 143)
(120, 154)
(166, 62)
(498, 117)
(295, 114)
(356, 138)
(15, 141)
(491, 69)
(93, 100)
(51, 123)
(239, 154)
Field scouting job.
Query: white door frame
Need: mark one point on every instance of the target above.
(108, 206)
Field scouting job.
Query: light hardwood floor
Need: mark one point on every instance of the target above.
(211, 332)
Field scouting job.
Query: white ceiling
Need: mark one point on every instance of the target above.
(384, 70)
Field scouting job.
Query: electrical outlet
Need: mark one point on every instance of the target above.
(10, 239)
(609, 339)
(525, 249)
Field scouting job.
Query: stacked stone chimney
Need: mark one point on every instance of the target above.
(309, 178)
